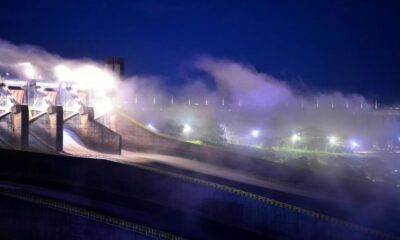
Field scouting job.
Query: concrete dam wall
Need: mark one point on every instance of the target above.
(194, 198)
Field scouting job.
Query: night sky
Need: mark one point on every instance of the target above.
(350, 46)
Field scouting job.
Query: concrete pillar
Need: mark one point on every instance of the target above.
(24, 127)
(60, 128)
(91, 113)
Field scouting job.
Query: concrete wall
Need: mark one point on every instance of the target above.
(9, 137)
(14, 129)
(46, 132)
(93, 134)
(27, 220)
(217, 203)
(136, 137)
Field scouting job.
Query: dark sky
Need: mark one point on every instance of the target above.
(351, 46)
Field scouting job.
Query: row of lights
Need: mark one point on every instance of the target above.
(255, 133)
(296, 137)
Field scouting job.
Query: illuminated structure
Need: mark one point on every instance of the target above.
(35, 113)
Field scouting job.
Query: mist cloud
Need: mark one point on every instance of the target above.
(242, 99)
(244, 84)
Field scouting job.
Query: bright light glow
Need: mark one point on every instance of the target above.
(151, 127)
(92, 77)
(332, 140)
(15, 83)
(255, 133)
(48, 85)
(29, 73)
(62, 73)
(295, 138)
(354, 144)
(75, 106)
(28, 70)
(187, 129)
(86, 76)
(103, 105)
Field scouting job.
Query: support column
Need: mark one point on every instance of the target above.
(60, 128)
(24, 124)
(90, 113)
